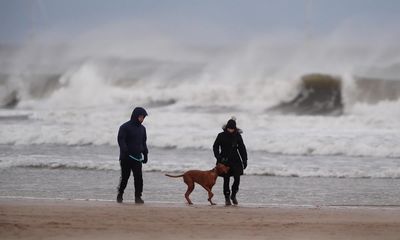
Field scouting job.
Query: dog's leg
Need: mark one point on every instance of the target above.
(189, 190)
(210, 194)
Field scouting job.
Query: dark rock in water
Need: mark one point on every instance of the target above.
(10, 101)
(8, 97)
(320, 94)
(36, 86)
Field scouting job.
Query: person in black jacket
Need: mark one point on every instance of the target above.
(230, 150)
(133, 152)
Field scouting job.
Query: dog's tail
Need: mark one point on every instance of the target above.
(174, 176)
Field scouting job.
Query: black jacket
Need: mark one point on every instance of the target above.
(230, 150)
(132, 137)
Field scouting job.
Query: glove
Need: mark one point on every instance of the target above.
(224, 160)
(145, 159)
(244, 165)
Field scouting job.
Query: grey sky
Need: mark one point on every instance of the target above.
(205, 20)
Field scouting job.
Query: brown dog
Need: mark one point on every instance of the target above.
(206, 179)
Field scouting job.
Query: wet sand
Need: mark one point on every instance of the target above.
(71, 219)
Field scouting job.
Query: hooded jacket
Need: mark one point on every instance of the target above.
(230, 150)
(132, 136)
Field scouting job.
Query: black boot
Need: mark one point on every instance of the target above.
(233, 197)
(227, 200)
(139, 200)
(119, 197)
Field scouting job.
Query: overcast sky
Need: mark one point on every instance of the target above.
(195, 20)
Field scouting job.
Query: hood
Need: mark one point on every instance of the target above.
(137, 112)
(232, 125)
(237, 130)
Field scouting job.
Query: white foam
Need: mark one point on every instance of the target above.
(104, 158)
(100, 84)
(348, 135)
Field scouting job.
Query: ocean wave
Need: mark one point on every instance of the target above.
(352, 136)
(318, 94)
(355, 174)
(374, 90)
(281, 166)
(177, 169)
(156, 83)
(188, 102)
(63, 166)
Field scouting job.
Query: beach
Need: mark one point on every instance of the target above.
(320, 123)
(66, 192)
(68, 219)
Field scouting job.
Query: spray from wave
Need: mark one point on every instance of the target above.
(291, 97)
(158, 71)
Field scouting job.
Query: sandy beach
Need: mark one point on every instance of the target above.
(71, 219)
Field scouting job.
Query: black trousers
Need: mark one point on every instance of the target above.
(128, 166)
(235, 185)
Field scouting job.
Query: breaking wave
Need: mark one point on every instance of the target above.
(318, 94)
(269, 168)
(322, 78)
(91, 85)
(291, 98)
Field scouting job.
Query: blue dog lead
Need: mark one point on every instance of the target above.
(140, 159)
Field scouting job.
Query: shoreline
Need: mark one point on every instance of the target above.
(71, 219)
(182, 204)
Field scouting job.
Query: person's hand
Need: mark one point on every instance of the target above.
(244, 165)
(145, 159)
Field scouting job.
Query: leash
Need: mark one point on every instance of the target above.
(137, 159)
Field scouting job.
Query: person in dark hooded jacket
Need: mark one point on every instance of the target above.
(133, 152)
(230, 150)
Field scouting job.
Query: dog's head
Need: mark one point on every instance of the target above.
(221, 169)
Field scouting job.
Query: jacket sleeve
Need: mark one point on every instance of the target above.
(145, 149)
(242, 149)
(216, 147)
(121, 140)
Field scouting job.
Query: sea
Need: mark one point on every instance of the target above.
(321, 121)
